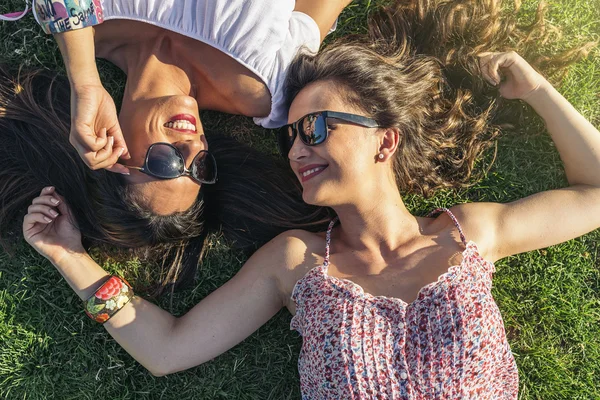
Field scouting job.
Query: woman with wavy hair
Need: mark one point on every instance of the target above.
(380, 312)
(169, 188)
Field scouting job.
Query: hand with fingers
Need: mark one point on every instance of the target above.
(49, 227)
(515, 78)
(95, 130)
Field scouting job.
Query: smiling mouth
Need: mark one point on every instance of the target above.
(311, 173)
(183, 123)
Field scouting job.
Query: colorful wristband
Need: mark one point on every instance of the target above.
(56, 16)
(109, 299)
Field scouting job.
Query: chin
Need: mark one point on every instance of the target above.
(316, 198)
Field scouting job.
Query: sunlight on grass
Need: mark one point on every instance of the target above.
(550, 299)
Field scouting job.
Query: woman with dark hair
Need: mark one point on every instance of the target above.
(380, 312)
(254, 200)
(180, 57)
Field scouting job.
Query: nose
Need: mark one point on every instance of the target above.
(189, 149)
(298, 150)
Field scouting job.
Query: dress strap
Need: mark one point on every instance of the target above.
(447, 211)
(328, 240)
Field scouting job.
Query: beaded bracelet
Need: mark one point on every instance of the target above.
(56, 16)
(108, 299)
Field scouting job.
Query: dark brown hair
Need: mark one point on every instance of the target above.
(255, 199)
(417, 69)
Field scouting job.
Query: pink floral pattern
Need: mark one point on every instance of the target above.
(449, 343)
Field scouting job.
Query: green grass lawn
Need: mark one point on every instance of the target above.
(550, 299)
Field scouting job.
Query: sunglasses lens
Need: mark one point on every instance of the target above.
(285, 140)
(204, 168)
(313, 129)
(164, 161)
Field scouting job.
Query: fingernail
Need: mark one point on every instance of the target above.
(49, 188)
(47, 219)
(121, 151)
(54, 201)
(111, 139)
(53, 213)
(125, 173)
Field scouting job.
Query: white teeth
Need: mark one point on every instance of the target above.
(312, 171)
(181, 124)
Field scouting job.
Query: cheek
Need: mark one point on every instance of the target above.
(138, 141)
(354, 162)
(352, 173)
(137, 150)
(138, 123)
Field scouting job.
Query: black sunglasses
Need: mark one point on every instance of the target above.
(165, 161)
(313, 129)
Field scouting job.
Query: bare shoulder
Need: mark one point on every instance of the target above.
(290, 255)
(479, 224)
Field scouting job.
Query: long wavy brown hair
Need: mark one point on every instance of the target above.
(256, 197)
(417, 69)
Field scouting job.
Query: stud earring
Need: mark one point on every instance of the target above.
(380, 156)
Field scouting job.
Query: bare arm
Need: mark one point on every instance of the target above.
(93, 113)
(79, 55)
(553, 216)
(324, 12)
(159, 341)
(165, 344)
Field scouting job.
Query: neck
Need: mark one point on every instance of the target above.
(218, 81)
(149, 76)
(378, 222)
(152, 62)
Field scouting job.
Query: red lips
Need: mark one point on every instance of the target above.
(318, 168)
(182, 117)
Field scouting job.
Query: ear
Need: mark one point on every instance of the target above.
(389, 142)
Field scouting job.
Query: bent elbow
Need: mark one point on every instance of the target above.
(159, 367)
(158, 370)
(164, 368)
(157, 374)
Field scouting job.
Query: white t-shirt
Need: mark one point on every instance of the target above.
(262, 35)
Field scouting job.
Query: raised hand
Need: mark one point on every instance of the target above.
(95, 130)
(49, 227)
(514, 76)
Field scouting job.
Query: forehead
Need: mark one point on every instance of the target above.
(167, 196)
(318, 96)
